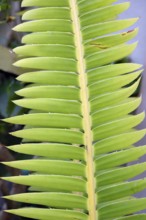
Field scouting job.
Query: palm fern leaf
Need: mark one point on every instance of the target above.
(80, 123)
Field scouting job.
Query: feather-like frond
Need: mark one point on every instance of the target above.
(80, 124)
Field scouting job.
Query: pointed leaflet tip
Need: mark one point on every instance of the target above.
(25, 3)
(14, 50)
(18, 91)
(16, 64)
(142, 115)
(12, 211)
(13, 133)
(138, 66)
(11, 179)
(16, 102)
(144, 130)
(6, 120)
(12, 147)
(5, 163)
(136, 19)
(4, 178)
(134, 45)
(18, 27)
(126, 4)
(5, 197)
(135, 30)
(15, 28)
(133, 20)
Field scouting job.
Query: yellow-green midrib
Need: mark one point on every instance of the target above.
(88, 137)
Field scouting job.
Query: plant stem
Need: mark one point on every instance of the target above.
(88, 138)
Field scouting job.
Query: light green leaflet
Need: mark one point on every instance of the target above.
(79, 125)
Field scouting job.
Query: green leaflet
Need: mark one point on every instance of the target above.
(48, 120)
(103, 14)
(42, 25)
(51, 105)
(118, 158)
(50, 78)
(120, 190)
(50, 182)
(49, 38)
(46, 51)
(52, 151)
(44, 214)
(45, 63)
(117, 127)
(118, 142)
(112, 84)
(61, 92)
(134, 217)
(107, 177)
(50, 167)
(97, 30)
(52, 135)
(80, 124)
(109, 55)
(55, 3)
(52, 199)
(122, 208)
(114, 112)
(106, 42)
(112, 98)
(47, 13)
(86, 6)
(109, 71)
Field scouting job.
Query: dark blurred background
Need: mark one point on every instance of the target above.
(10, 15)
